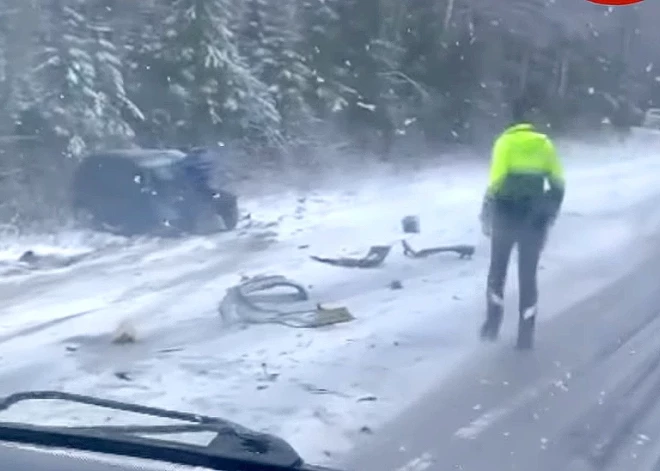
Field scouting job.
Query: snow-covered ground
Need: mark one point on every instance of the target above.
(318, 388)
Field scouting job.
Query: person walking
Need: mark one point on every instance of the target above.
(525, 192)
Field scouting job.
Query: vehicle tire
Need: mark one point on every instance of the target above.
(217, 215)
(227, 208)
(209, 223)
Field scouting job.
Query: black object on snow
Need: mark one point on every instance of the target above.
(374, 258)
(410, 225)
(464, 251)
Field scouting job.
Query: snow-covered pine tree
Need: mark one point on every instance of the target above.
(271, 42)
(324, 56)
(5, 74)
(112, 104)
(18, 30)
(65, 75)
(372, 57)
(148, 75)
(209, 77)
(77, 80)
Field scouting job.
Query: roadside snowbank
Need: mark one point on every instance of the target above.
(321, 388)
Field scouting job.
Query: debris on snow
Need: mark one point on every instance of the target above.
(332, 315)
(31, 261)
(124, 376)
(267, 376)
(463, 250)
(260, 300)
(376, 254)
(310, 388)
(373, 259)
(410, 224)
(368, 399)
(396, 285)
(125, 333)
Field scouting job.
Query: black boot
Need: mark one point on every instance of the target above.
(490, 329)
(526, 330)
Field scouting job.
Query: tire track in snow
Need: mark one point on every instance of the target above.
(174, 287)
(43, 326)
(175, 291)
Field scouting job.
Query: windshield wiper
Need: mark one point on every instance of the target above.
(234, 447)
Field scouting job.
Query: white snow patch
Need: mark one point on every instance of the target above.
(320, 388)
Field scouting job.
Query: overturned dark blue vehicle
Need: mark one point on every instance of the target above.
(151, 191)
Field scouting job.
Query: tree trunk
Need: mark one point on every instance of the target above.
(524, 69)
(564, 65)
(449, 13)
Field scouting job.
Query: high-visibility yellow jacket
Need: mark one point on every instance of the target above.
(523, 160)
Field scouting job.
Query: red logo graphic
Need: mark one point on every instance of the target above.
(615, 3)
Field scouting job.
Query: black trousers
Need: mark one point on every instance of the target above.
(528, 234)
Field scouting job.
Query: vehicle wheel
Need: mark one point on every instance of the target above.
(227, 207)
(217, 215)
(209, 223)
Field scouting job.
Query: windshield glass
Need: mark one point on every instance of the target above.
(404, 235)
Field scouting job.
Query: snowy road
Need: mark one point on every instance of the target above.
(586, 399)
(321, 389)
